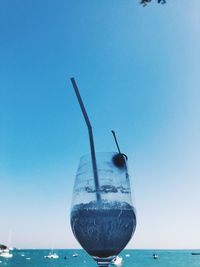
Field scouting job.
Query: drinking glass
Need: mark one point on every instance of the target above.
(103, 227)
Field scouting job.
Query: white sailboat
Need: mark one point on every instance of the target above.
(5, 250)
(5, 253)
(117, 261)
(52, 255)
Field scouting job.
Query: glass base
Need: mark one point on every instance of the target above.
(103, 262)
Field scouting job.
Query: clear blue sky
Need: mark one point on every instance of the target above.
(138, 72)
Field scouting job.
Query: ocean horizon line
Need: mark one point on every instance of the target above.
(136, 249)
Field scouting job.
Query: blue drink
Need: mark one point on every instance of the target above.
(103, 230)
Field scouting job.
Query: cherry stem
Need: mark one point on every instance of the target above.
(116, 141)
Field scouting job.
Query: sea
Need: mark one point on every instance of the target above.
(131, 258)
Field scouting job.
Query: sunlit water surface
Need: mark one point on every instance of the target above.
(131, 258)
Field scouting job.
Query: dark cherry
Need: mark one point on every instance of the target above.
(119, 160)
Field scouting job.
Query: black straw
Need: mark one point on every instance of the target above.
(94, 163)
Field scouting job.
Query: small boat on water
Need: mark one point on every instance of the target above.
(52, 255)
(155, 256)
(5, 252)
(75, 254)
(195, 253)
(117, 261)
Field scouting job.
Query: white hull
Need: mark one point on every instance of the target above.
(5, 254)
(52, 256)
(117, 261)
